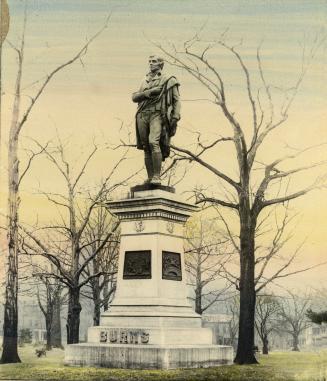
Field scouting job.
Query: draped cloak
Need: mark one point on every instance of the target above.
(167, 108)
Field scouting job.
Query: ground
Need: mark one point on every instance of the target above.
(277, 366)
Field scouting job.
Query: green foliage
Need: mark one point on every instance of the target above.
(317, 317)
(287, 366)
(25, 336)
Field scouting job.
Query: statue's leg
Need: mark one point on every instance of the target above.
(157, 161)
(143, 129)
(154, 143)
(148, 164)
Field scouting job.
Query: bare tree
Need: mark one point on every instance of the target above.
(266, 313)
(68, 245)
(102, 288)
(4, 28)
(15, 176)
(59, 302)
(232, 306)
(205, 258)
(50, 300)
(35, 282)
(292, 315)
(252, 189)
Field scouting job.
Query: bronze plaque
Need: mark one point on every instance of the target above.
(171, 266)
(137, 265)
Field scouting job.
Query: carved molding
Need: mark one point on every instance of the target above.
(139, 226)
(151, 215)
(170, 227)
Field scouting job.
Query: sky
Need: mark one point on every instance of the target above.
(91, 99)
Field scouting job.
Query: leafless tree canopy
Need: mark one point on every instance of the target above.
(293, 318)
(206, 256)
(84, 230)
(255, 184)
(266, 318)
(232, 306)
(15, 176)
(101, 289)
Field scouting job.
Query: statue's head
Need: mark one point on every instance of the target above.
(156, 63)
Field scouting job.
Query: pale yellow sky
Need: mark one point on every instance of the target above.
(90, 99)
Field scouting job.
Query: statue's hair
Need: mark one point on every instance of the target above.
(160, 59)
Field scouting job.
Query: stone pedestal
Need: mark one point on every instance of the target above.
(150, 323)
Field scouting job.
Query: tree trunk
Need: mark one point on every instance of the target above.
(296, 343)
(95, 284)
(198, 300)
(4, 28)
(49, 317)
(265, 343)
(105, 293)
(109, 289)
(198, 287)
(245, 350)
(56, 323)
(96, 301)
(10, 326)
(73, 318)
(48, 327)
(96, 313)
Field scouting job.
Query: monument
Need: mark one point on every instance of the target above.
(150, 323)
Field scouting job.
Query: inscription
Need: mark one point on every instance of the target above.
(124, 336)
(171, 266)
(137, 265)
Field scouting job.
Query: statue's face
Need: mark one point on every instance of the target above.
(154, 64)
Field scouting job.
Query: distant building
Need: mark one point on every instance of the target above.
(277, 341)
(30, 316)
(315, 335)
(221, 327)
(39, 336)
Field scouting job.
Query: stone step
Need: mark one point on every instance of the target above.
(148, 356)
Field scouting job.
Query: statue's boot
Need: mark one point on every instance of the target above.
(149, 167)
(157, 161)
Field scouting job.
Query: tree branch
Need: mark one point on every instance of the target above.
(208, 166)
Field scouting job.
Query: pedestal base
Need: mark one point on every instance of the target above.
(148, 357)
(161, 336)
(151, 187)
(150, 324)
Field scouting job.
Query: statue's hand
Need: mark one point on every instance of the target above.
(147, 93)
(173, 127)
(139, 96)
(155, 90)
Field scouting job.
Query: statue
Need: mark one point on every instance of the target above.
(156, 118)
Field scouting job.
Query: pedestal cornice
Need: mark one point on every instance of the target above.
(152, 204)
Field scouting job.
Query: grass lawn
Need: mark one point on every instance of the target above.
(278, 366)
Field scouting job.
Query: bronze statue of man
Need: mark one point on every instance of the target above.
(157, 116)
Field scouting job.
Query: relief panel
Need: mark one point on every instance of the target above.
(137, 265)
(171, 266)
